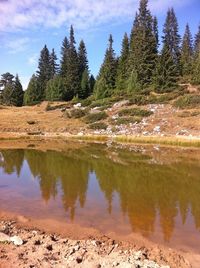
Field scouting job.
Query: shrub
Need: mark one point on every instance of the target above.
(75, 113)
(91, 118)
(98, 125)
(187, 101)
(86, 102)
(135, 112)
(125, 120)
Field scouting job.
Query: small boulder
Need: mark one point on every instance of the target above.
(17, 241)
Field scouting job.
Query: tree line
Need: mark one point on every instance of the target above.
(140, 66)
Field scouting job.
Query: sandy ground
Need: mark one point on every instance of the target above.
(165, 121)
(42, 248)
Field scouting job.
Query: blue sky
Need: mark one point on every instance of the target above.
(26, 25)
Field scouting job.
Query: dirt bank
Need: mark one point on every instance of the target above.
(42, 248)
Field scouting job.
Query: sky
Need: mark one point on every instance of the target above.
(27, 25)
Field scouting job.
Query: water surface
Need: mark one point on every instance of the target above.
(155, 193)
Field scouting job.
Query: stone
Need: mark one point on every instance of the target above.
(17, 241)
(4, 237)
(78, 105)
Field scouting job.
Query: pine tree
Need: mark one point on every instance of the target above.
(6, 78)
(196, 69)
(44, 72)
(105, 83)
(33, 92)
(83, 71)
(187, 52)
(171, 37)
(73, 78)
(197, 42)
(143, 45)
(55, 90)
(6, 84)
(92, 82)
(196, 60)
(122, 70)
(18, 93)
(85, 86)
(64, 57)
(155, 31)
(53, 64)
(166, 73)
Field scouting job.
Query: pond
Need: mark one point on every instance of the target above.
(154, 192)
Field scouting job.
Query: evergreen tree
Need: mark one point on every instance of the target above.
(196, 60)
(6, 84)
(187, 52)
(17, 93)
(44, 72)
(33, 92)
(171, 37)
(53, 64)
(92, 82)
(155, 30)
(55, 90)
(197, 42)
(73, 77)
(83, 71)
(6, 78)
(165, 78)
(64, 57)
(196, 69)
(122, 71)
(143, 45)
(105, 83)
(85, 86)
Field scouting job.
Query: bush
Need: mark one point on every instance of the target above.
(91, 118)
(187, 101)
(135, 112)
(98, 125)
(125, 120)
(75, 113)
(86, 102)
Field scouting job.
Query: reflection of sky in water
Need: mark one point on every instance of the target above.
(116, 191)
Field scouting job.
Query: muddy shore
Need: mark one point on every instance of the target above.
(43, 247)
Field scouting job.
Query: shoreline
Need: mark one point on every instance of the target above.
(179, 141)
(93, 249)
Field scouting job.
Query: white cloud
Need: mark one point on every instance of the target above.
(32, 60)
(82, 14)
(17, 45)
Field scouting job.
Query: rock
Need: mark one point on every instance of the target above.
(79, 259)
(95, 110)
(17, 241)
(78, 105)
(4, 237)
(156, 129)
(120, 104)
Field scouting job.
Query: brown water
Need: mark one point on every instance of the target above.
(155, 193)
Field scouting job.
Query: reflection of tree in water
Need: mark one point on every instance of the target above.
(54, 167)
(11, 161)
(145, 190)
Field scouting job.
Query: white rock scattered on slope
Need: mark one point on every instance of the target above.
(4, 237)
(17, 241)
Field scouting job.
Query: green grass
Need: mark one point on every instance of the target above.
(75, 113)
(92, 118)
(135, 112)
(98, 126)
(187, 102)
